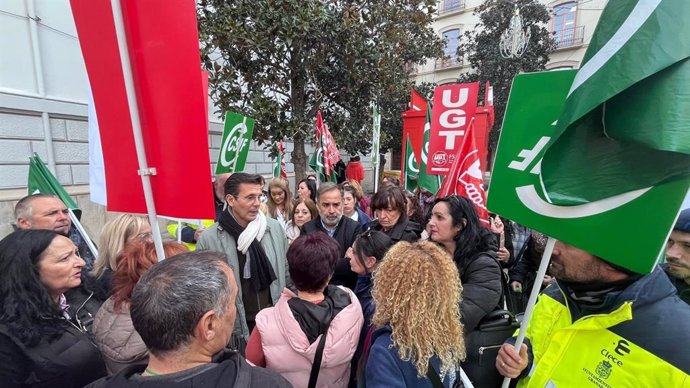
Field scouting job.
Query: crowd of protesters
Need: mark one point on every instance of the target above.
(330, 287)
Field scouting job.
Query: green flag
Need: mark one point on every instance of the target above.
(375, 142)
(41, 180)
(624, 123)
(237, 134)
(630, 230)
(428, 182)
(411, 167)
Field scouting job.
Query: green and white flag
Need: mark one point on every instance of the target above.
(316, 164)
(624, 126)
(428, 182)
(42, 181)
(237, 135)
(376, 140)
(411, 167)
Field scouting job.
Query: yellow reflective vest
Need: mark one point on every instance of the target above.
(641, 340)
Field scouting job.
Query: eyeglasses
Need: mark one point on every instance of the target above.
(252, 198)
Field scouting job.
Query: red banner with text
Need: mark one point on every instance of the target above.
(453, 109)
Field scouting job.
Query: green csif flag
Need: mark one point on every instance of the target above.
(411, 167)
(428, 182)
(41, 180)
(237, 135)
(624, 125)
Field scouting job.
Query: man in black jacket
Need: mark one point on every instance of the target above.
(184, 310)
(330, 220)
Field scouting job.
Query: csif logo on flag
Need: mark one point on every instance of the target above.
(237, 135)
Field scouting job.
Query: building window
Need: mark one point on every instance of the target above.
(565, 32)
(451, 5)
(451, 40)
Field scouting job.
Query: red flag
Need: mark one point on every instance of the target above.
(331, 155)
(163, 46)
(417, 101)
(466, 177)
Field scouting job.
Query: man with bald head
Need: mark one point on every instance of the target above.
(46, 211)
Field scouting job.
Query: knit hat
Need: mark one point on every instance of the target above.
(683, 222)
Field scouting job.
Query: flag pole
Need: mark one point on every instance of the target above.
(82, 231)
(545, 259)
(144, 170)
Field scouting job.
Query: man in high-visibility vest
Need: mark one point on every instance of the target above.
(599, 325)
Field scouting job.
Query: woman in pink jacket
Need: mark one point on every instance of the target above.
(320, 322)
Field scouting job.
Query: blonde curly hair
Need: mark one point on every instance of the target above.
(417, 292)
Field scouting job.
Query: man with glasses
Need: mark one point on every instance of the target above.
(329, 202)
(46, 211)
(255, 246)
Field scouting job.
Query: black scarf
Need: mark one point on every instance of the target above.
(261, 269)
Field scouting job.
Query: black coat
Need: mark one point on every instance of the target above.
(71, 360)
(345, 234)
(231, 371)
(403, 230)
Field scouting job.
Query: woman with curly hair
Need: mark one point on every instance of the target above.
(117, 233)
(113, 330)
(279, 201)
(419, 338)
(45, 313)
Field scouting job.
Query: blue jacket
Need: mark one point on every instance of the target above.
(362, 218)
(384, 368)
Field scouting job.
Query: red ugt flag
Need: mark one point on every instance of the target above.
(466, 178)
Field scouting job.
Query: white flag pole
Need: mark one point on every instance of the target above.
(545, 259)
(144, 170)
(82, 231)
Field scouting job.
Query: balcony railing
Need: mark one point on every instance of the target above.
(445, 62)
(569, 37)
(445, 6)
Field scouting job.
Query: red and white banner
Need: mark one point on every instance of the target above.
(281, 151)
(454, 107)
(331, 155)
(466, 177)
(163, 46)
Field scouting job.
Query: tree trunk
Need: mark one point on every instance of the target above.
(299, 160)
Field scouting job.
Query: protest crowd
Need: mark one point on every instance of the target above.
(283, 291)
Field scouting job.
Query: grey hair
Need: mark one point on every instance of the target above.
(23, 207)
(326, 187)
(171, 297)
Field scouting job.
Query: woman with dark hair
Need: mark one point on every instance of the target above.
(390, 208)
(45, 313)
(303, 211)
(306, 188)
(350, 208)
(113, 330)
(455, 226)
(319, 318)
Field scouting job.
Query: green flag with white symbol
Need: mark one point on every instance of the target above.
(237, 134)
(630, 229)
(411, 167)
(428, 182)
(624, 125)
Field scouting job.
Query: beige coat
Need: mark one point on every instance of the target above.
(117, 340)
